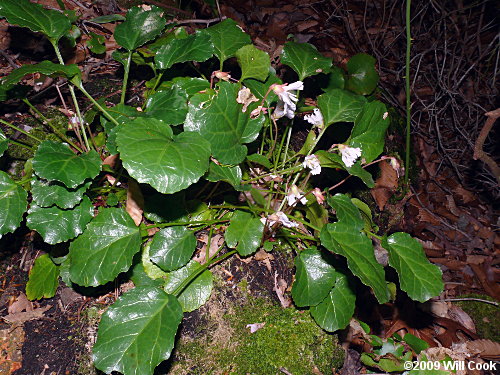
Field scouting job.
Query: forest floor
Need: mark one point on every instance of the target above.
(452, 207)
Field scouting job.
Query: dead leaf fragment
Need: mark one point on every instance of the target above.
(254, 327)
(22, 317)
(20, 304)
(135, 201)
(486, 349)
(385, 185)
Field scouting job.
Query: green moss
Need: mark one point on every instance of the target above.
(485, 316)
(290, 339)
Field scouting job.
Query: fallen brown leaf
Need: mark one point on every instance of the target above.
(21, 317)
(135, 201)
(385, 185)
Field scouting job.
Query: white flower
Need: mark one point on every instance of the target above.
(315, 118)
(295, 195)
(287, 101)
(349, 154)
(279, 217)
(312, 162)
(255, 326)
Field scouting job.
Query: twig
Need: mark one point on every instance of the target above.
(471, 299)
(478, 147)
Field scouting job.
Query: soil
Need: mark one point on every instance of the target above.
(456, 220)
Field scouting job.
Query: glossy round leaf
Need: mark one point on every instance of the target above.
(13, 203)
(227, 37)
(43, 279)
(344, 239)
(140, 26)
(369, 129)
(56, 161)
(336, 310)
(244, 233)
(346, 211)
(340, 106)
(363, 76)
(24, 13)
(197, 292)
(196, 47)
(169, 106)
(172, 247)
(137, 332)
(105, 249)
(417, 276)
(231, 175)
(305, 59)
(254, 63)
(56, 225)
(152, 154)
(314, 278)
(46, 194)
(46, 67)
(220, 120)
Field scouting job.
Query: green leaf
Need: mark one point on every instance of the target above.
(46, 67)
(336, 310)
(220, 120)
(4, 143)
(46, 194)
(57, 225)
(153, 271)
(194, 295)
(259, 159)
(346, 211)
(366, 214)
(231, 175)
(415, 343)
(13, 203)
(340, 106)
(363, 77)
(305, 59)
(96, 43)
(191, 85)
(227, 37)
(254, 63)
(369, 130)
(346, 240)
(314, 278)
(56, 161)
(137, 332)
(23, 13)
(140, 27)
(43, 279)
(244, 233)
(196, 47)
(105, 249)
(172, 247)
(152, 154)
(417, 276)
(168, 106)
(336, 79)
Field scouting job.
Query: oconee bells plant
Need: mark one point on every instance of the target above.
(205, 126)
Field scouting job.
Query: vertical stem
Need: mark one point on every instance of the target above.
(408, 99)
(100, 107)
(63, 137)
(73, 96)
(125, 77)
